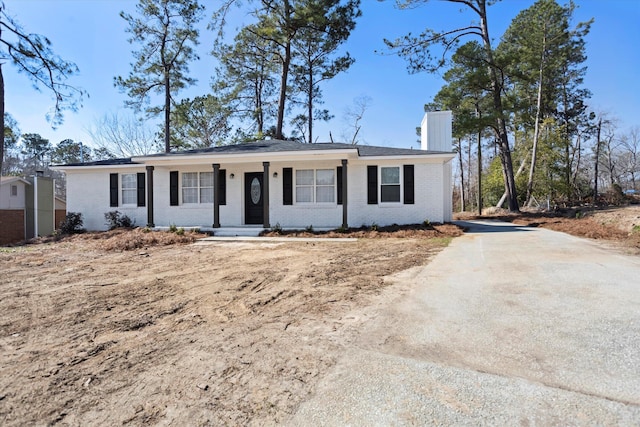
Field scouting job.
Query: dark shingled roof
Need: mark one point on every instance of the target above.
(275, 146)
(108, 162)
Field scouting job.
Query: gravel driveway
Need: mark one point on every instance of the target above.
(509, 325)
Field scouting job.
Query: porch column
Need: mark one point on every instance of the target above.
(216, 195)
(150, 196)
(344, 194)
(265, 195)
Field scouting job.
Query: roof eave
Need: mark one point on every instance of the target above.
(442, 156)
(243, 157)
(65, 168)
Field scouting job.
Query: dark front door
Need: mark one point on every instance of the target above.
(253, 200)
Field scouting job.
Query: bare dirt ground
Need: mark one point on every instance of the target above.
(619, 226)
(167, 333)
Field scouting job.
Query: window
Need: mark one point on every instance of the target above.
(14, 190)
(206, 187)
(197, 187)
(190, 187)
(304, 186)
(390, 184)
(129, 189)
(325, 182)
(315, 186)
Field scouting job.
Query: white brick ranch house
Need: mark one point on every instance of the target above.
(264, 183)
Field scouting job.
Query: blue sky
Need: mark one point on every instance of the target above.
(92, 34)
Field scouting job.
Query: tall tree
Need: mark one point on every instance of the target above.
(245, 79)
(200, 122)
(420, 52)
(70, 151)
(35, 148)
(537, 48)
(314, 49)
(167, 33)
(467, 95)
(10, 143)
(282, 22)
(32, 55)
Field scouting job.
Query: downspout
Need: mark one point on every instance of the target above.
(35, 206)
(265, 195)
(345, 209)
(53, 198)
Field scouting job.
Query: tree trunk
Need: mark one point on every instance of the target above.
(310, 105)
(575, 164)
(610, 163)
(469, 175)
(496, 88)
(284, 76)
(518, 172)
(569, 158)
(461, 175)
(1, 104)
(286, 61)
(167, 113)
(479, 168)
(536, 129)
(1, 114)
(595, 181)
(259, 113)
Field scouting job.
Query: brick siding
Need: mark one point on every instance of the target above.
(11, 226)
(60, 216)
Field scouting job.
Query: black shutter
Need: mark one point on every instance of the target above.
(408, 185)
(222, 186)
(173, 188)
(141, 189)
(113, 190)
(287, 186)
(372, 185)
(339, 181)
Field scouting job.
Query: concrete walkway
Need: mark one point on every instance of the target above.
(507, 326)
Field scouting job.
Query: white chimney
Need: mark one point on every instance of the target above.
(435, 132)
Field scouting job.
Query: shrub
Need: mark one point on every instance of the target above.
(72, 223)
(116, 219)
(173, 228)
(277, 228)
(309, 229)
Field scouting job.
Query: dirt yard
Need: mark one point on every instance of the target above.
(217, 334)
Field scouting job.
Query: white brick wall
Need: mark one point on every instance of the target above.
(88, 193)
(302, 215)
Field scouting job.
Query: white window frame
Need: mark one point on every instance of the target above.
(202, 187)
(198, 187)
(399, 185)
(314, 186)
(129, 186)
(14, 190)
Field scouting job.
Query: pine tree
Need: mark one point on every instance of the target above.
(167, 33)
